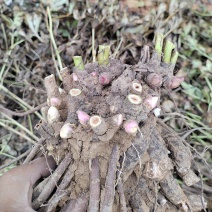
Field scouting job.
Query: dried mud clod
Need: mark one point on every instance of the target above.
(101, 128)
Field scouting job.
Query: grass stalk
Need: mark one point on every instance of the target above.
(18, 133)
(54, 43)
(93, 45)
(21, 127)
(7, 155)
(21, 102)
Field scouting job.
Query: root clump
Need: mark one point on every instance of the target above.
(112, 153)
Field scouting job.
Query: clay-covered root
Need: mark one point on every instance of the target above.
(181, 155)
(174, 192)
(109, 193)
(76, 205)
(159, 163)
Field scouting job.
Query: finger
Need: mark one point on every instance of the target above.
(33, 171)
(40, 167)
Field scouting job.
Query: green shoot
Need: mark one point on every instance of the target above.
(169, 46)
(78, 63)
(174, 57)
(159, 44)
(103, 55)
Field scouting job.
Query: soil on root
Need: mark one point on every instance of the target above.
(112, 154)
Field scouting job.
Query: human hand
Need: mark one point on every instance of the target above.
(16, 185)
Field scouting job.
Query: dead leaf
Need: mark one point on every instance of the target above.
(33, 22)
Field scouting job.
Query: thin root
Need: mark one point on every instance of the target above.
(110, 180)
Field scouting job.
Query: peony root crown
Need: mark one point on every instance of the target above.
(102, 125)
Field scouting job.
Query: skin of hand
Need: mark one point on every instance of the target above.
(16, 185)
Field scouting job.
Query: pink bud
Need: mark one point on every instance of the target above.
(104, 78)
(130, 126)
(167, 84)
(152, 101)
(75, 78)
(55, 102)
(118, 119)
(83, 117)
(154, 80)
(94, 73)
(176, 81)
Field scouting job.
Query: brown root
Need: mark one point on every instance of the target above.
(174, 192)
(34, 150)
(109, 194)
(182, 156)
(123, 207)
(94, 186)
(61, 190)
(52, 183)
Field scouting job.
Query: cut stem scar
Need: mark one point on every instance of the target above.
(98, 125)
(103, 55)
(78, 62)
(134, 99)
(137, 87)
(75, 92)
(169, 46)
(95, 121)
